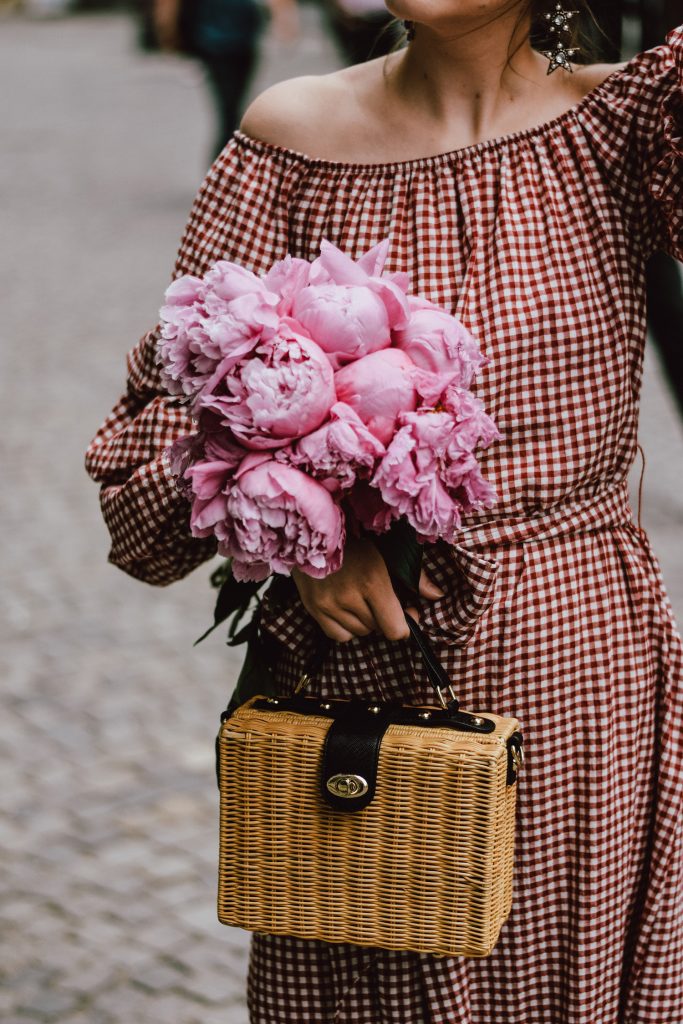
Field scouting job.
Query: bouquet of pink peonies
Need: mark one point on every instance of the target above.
(327, 400)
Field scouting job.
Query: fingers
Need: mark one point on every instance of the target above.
(427, 588)
(333, 629)
(361, 611)
(341, 626)
(388, 613)
(342, 623)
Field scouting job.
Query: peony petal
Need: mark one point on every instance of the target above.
(372, 261)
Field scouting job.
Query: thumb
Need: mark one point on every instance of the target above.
(428, 589)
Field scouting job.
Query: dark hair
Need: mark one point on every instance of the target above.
(586, 33)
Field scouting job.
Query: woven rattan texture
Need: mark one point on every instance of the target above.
(427, 866)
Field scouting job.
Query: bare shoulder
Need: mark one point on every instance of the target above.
(296, 113)
(589, 76)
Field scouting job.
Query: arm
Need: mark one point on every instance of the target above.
(146, 517)
(239, 214)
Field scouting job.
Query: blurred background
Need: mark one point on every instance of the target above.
(108, 813)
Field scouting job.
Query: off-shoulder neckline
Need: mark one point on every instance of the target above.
(453, 155)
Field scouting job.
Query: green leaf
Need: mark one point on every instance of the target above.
(244, 635)
(221, 574)
(233, 596)
(256, 676)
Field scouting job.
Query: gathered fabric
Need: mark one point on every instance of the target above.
(553, 609)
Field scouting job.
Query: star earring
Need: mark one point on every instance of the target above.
(558, 23)
(409, 26)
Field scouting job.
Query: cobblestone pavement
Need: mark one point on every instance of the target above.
(108, 808)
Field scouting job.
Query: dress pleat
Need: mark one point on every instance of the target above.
(554, 610)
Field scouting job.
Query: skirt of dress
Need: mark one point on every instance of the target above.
(566, 626)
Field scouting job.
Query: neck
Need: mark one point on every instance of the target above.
(460, 74)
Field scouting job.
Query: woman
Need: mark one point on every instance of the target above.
(527, 204)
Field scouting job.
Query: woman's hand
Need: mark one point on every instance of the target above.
(359, 598)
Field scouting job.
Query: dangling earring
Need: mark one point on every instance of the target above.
(561, 55)
(409, 26)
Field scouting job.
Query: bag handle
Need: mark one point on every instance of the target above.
(436, 673)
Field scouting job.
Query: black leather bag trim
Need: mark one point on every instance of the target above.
(351, 755)
(427, 716)
(353, 741)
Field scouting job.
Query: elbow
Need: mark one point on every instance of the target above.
(165, 564)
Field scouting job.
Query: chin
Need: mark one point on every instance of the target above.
(446, 12)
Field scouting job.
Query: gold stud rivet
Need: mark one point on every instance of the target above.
(374, 709)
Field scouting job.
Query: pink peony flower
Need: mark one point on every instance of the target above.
(278, 518)
(282, 438)
(284, 390)
(439, 342)
(368, 508)
(228, 281)
(339, 452)
(347, 321)
(208, 446)
(475, 426)
(209, 324)
(430, 475)
(378, 388)
(205, 481)
(336, 267)
(182, 454)
(286, 279)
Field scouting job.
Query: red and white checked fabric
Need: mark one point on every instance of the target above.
(554, 609)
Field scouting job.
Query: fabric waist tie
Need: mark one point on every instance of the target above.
(468, 577)
(610, 508)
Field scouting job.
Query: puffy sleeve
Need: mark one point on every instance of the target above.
(240, 214)
(659, 135)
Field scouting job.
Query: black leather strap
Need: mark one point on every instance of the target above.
(349, 765)
(348, 775)
(435, 670)
(436, 673)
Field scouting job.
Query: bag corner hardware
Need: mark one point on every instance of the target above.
(515, 757)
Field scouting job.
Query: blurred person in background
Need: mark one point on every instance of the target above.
(225, 36)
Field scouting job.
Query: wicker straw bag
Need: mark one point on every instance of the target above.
(381, 825)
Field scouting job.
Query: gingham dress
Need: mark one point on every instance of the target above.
(554, 610)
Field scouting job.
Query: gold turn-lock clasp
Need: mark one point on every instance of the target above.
(348, 787)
